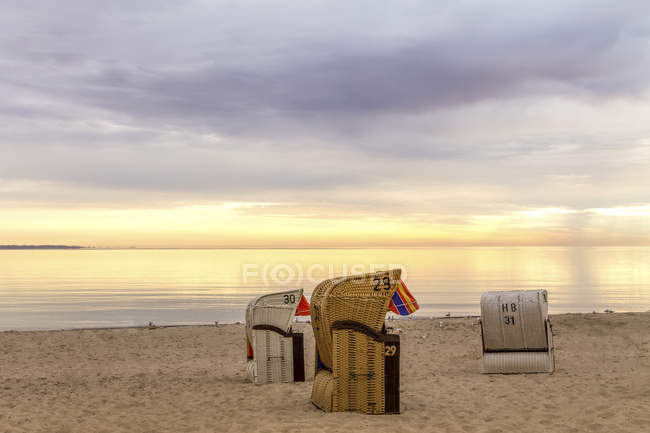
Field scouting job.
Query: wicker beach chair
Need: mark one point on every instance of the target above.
(357, 362)
(275, 352)
(516, 332)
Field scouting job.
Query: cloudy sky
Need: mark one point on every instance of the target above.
(325, 123)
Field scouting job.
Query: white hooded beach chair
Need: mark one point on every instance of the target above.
(516, 332)
(275, 353)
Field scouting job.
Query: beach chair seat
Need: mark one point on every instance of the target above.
(357, 361)
(275, 351)
(516, 332)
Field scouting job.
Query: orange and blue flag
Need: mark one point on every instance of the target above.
(402, 302)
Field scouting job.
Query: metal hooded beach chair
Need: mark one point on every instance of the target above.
(275, 352)
(516, 332)
(357, 362)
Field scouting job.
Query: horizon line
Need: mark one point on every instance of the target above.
(370, 247)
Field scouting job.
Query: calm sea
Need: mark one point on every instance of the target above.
(54, 289)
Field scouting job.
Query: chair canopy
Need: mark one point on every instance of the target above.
(352, 370)
(273, 309)
(516, 332)
(360, 298)
(275, 353)
(514, 320)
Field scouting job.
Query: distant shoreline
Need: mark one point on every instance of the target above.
(41, 247)
(449, 247)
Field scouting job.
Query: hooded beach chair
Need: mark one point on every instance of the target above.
(516, 332)
(357, 362)
(275, 352)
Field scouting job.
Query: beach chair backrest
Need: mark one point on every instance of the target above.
(361, 298)
(274, 309)
(357, 363)
(516, 332)
(514, 320)
(275, 352)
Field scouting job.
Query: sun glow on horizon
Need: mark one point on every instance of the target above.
(275, 224)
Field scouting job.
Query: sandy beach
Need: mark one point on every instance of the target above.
(191, 379)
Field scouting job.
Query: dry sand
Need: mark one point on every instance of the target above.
(191, 379)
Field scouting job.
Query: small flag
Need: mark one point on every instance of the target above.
(303, 307)
(402, 302)
(249, 349)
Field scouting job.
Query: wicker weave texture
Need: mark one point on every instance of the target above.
(276, 309)
(516, 332)
(362, 298)
(356, 360)
(322, 392)
(514, 320)
(251, 370)
(272, 352)
(518, 362)
(359, 377)
(273, 357)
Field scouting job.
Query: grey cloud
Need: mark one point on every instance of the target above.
(173, 169)
(311, 98)
(419, 76)
(592, 50)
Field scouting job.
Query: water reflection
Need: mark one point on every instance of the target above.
(56, 289)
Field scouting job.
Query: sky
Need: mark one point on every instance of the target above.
(324, 124)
